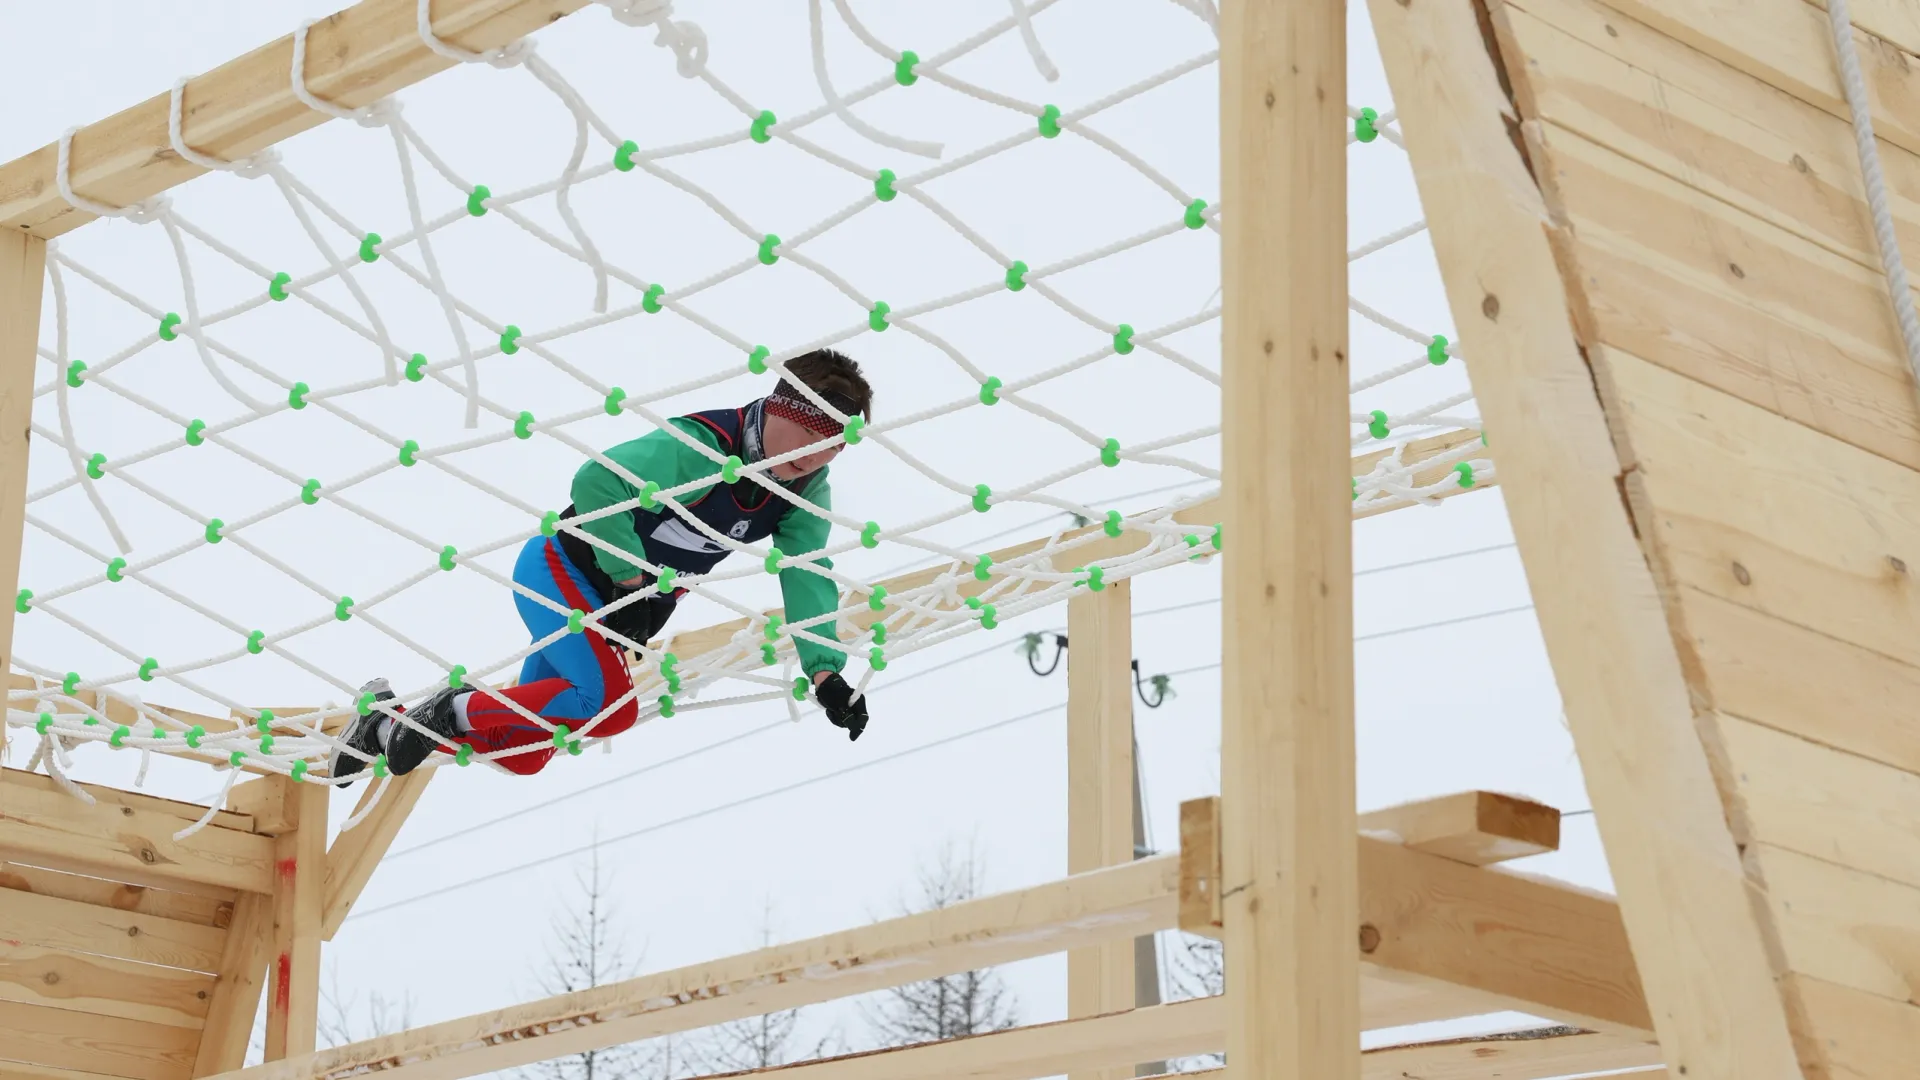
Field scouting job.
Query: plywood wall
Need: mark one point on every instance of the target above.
(1709, 220)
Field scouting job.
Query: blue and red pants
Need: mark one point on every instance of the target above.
(569, 681)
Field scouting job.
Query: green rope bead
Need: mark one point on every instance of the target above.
(576, 621)
(367, 245)
(73, 373)
(560, 733)
(1365, 126)
(1216, 536)
(477, 200)
(876, 659)
(194, 735)
(1096, 578)
(523, 425)
(667, 574)
(297, 396)
(510, 339)
(299, 772)
(759, 132)
(799, 688)
(380, 766)
(877, 318)
(650, 300)
(666, 706)
(730, 468)
(1356, 494)
(1377, 426)
(364, 703)
(614, 397)
(550, 523)
(277, 288)
(194, 430)
(852, 431)
(990, 390)
(1110, 453)
(767, 255)
(982, 569)
(169, 326)
(119, 733)
(1437, 350)
(70, 683)
(116, 569)
(870, 535)
(447, 555)
(647, 492)
(767, 656)
(1112, 525)
(158, 732)
(256, 642)
(417, 367)
(668, 662)
(883, 185)
(771, 631)
(45, 722)
(1123, 339)
(147, 668)
(1050, 122)
(673, 681)
(264, 722)
(463, 757)
(757, 359)
(266, 744)
(213, 530)
(96, 466)
(343, 608)
(20, 601)
(879, 633)
(623, 157)
(457, 677)
(1196, 216)
(310, 492)
(1017, 275)
(1466, 474)
(877, 601)
(903, 72)
(409, 453)
(981, 493)
(234, 759)
(772, 562)
(988, 617)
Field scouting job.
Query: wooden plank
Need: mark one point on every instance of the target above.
(47, 827)
(72, 1040)
(1692, 925)
(356, 853)
(179, 906)
(300, 870)
(1765, 513)
(1862, 1036)
(1100, 980)
(17, 1070)
(23, 261)
(113, 796)
(354, 57)
(1478, 828)
(1787, 44)
(34, 975)
(1684, 280)
(1200, 867)
(241, 981)
(1842, 925)
(1821, 802)
(1521, 1055)
(125, 935)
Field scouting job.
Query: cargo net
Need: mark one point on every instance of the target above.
(296, 419)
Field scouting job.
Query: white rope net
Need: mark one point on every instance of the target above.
(295, 419)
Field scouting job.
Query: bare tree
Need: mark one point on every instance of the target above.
(757, 1042)
(338, 1024)
(970, 1003)
(1199, 969)
(588, 950)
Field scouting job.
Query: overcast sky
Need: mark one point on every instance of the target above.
(713, 819)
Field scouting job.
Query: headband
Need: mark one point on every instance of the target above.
(787, 403)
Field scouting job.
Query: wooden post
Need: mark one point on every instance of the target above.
(1287, 744)
(300, 872)
(1100, 785)
(23, 263)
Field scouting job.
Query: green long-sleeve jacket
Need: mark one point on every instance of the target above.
(661, 458)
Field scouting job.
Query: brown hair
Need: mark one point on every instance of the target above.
(834, 374)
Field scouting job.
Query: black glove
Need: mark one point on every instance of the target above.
(836, 697)
(640, 620)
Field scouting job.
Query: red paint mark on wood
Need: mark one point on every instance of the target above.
(283, 983)
(287, 868)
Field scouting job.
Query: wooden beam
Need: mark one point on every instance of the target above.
(1287, 740)
(55, 923)
(103, 794)
(1688, 911)
(241, 979)
(1100, 980)
(100, 986)
(355, 57)
(96, 1044)
(23, 261)
(1478, 828)
(118, 895)
(356, 853)
(1200, 908)
(300, 868)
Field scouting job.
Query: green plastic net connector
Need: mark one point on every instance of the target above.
(510, 339)
(409, 453)
(73, 373)
(614, 397)
(212, 533)
(1356, 494)
(299, 771)
(1216, 536)
(97, 466)
(20, 601)
(158, 732)
(989, 618)
(870, 535)
(760, 130)
(1110, 453)
(457, 677)
(575, 748)
(767, 656)
(981, 493)
(650, 300)
(195, 431)
(477, 200)
(1017, 275)
(447, 555)
(1112, 525)
(70, 683)
(1437, 350)
(169, 326)
(257, 642)
(364, 703)
(117, 569)
(667, 574)
(876, 601)
(576, 621)
(1483, 437)
(647, 492)
(1465, 470)
(852, 431)
(974, 602)
(380, 766)
(1377, 426)
(147, 668)
(990, 390)
(266, 744)
(983, 568)
(767, 255)
(549, 523)
(668, 662)
(41, 725)
(194, 735)
(772, 562)
(236, 758)
(297, 395)
(523, 425)
(1096, 577)
(903, 72)
(877, 318)
(310, 492)
(89, 721)
(560, 733)
(673, 681)
(1196, 216)
(799, 689)
(883, 185)
(666, 706)
(1123, 339)
(277, 288)
(417, 367)
(877, 659)
(879, 633)
(757, 359)
(771, 631)
(343, 608)
(264, 722)
(1365, 126)
(463, 757)
(623, 157)
(730, 468)
(368, 247)
(1050, 122)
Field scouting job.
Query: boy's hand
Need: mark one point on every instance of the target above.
(834, 695)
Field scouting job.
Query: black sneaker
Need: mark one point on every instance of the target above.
(362, 734)
(407, 747)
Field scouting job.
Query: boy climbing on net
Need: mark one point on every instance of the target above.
(575, 677)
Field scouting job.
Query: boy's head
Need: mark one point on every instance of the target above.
(793, 422)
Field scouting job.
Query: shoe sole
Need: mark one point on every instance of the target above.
(340, 763)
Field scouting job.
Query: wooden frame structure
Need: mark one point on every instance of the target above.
(1652, 231)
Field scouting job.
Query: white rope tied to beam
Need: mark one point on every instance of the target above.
(687, 40)
(1851, 81)
(505, 56)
